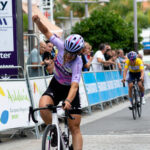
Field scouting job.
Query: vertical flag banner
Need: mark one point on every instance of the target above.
(8, 41)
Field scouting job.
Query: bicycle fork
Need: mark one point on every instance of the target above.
(59, 139)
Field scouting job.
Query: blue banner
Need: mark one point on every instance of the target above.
(91, 88)
(104, 86)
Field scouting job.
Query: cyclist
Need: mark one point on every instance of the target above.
(65, 82)
(136, 71)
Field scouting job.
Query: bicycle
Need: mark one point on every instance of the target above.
(136, 102)
(53, 137)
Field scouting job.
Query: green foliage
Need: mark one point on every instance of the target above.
(78, 8)
(125, 9)
(105, 26)
(25, 22)
(142, 19)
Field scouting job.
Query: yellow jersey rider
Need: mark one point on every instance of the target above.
(136, 71)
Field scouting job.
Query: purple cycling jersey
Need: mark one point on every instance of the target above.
(71, 71)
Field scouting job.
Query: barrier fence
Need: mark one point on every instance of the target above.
(17, 94)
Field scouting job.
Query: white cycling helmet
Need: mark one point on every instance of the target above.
(74, 43)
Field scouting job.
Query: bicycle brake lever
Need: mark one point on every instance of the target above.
(123, 84)
(69, 116)
(31, 113)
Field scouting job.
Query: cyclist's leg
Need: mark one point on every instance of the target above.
(74, 126)
(46, 114)
(130, 85)
(141, 87)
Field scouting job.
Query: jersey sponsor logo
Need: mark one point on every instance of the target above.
(134, 67)
(62, 68)
(3, 5)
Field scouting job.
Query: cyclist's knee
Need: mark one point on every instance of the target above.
(45, 100)
(75, 130)
(130, 85)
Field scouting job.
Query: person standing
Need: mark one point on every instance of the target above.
(35, 58)
(99, 60)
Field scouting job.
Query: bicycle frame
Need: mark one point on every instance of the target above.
(55, 122)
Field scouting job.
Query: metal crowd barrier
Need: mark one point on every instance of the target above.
(14, 101)
(17, 94)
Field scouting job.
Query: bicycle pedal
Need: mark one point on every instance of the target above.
(71, 147)
(138, 104)
(130, 108)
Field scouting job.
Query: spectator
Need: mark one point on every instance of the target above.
(117, 65)
(48, 57)
(122, 58)
(99, 59)
(35, 58)
(141, 57)
(108, 56)
(87, 57)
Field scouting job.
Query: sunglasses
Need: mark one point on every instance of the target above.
(70, 54)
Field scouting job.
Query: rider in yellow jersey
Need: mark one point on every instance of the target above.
(136, 71)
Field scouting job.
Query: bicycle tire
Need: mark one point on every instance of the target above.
(134, 104)
(50, 138)
(140, 106)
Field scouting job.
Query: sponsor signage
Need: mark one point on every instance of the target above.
(8, 41)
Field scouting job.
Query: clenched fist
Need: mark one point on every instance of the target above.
(36, 18)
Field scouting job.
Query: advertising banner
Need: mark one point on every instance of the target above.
(102, 85)
(82, 93)
(38, 87)
(14, 105)
(91, 88)
(8, 41)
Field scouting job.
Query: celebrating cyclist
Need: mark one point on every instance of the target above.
(136, 71)
(65, 82)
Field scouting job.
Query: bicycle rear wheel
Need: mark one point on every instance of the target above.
(50, 138)
(134, 104)
(139, 108)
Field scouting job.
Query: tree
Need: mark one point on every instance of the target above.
(125, 9)
(105, 26)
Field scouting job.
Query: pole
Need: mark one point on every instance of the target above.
(51, 5)
(86, 9)
(30, 25)
(135, 27)
(20, 50)
(71, 18)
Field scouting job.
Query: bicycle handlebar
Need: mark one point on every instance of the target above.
(50, 107)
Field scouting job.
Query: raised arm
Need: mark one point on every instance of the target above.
(41, 26)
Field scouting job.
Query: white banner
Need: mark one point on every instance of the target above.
(38, 87)
(82, 93)
(147, 79)
(14, 105)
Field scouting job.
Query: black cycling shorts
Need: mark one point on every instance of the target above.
(133, 76)
(59, 92)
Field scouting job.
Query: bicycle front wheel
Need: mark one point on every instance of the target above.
(140, 107)
(50, 138)
(134, 104)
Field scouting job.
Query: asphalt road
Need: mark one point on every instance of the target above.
(111, 129)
